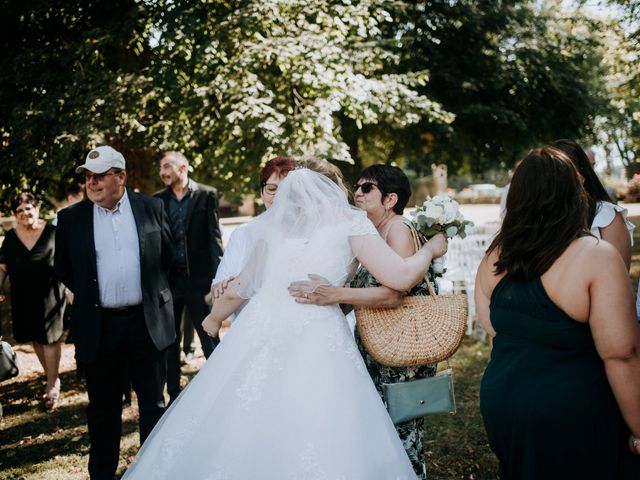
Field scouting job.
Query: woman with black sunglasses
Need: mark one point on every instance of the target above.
(382, 191)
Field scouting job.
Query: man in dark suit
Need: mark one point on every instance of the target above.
(193, 216)
(113, 251)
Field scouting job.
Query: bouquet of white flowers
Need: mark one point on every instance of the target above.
(440, 214)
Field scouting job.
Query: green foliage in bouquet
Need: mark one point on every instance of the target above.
(440, 214)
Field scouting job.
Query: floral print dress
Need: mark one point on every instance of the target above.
(410, 432)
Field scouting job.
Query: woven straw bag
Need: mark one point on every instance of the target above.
(423, 330)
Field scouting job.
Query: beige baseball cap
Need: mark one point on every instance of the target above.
(101, 159)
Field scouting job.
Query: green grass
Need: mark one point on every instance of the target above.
(456, 445)
(35, 445)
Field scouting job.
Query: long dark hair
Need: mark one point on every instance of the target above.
(595, 190)
(546, 210)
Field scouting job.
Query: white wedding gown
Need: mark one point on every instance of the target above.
(286, 395)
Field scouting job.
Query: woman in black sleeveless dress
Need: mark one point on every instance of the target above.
(37, 298)
(560, 398)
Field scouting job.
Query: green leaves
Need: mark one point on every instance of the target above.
(469, 84)
(281, 74)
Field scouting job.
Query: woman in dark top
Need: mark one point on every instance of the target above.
(560, 397)
(37, 298)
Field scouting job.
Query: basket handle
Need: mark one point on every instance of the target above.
(417, 244)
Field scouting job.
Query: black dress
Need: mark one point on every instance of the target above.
(37, 298)
(545, 400)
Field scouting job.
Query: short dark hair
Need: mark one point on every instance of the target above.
(390, 179)
(546, 211)
(24, 197)
(593, 186)
(278, 165)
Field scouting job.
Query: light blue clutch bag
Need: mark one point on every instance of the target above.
(418, 398)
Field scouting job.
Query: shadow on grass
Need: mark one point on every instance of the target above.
(21, 397)
(30, 436)
(44, 445)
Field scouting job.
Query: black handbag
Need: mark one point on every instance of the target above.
(8, 364)
(418, 398)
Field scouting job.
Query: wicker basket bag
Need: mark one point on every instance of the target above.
(423, 330)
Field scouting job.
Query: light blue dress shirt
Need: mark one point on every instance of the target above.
(117, 255)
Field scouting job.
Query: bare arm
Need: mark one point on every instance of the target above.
(615, 330)
(228, 302)
(222, 305)
(318, 291)
(228, 295)
(218, 288)
(616, 234)
(482, 293)
(391, 269)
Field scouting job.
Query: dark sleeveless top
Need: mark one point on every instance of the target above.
(545, 400)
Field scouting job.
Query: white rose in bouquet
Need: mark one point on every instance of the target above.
(434, 214)
(440, 214)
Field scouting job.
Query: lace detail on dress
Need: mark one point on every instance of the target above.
(361, 225)
(309, 466)
(311, 314)
(257, 329)
(256, 377)
(339, 337)
(173, 445)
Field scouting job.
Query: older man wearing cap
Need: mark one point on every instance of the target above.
(113, 251)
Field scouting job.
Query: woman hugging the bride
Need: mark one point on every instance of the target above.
(287, 394)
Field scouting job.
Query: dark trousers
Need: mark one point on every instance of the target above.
(196, 309)
(125, 346)
(188, 335)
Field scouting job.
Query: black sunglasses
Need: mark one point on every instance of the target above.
(365, 186)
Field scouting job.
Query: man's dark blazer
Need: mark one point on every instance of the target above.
(75, 265)
(203, 238)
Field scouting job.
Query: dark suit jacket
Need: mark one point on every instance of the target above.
(204, 241)
(75, 265)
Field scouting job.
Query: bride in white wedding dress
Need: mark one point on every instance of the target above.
(286, 395)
